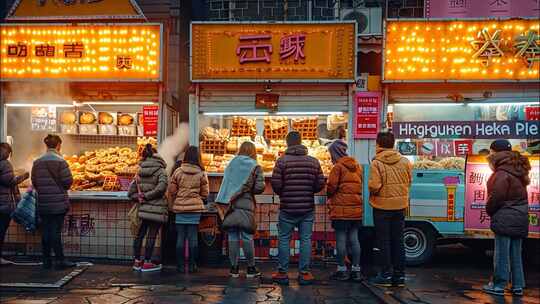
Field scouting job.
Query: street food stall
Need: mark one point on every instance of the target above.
(98, 86)
(451, 89)
(256, 82)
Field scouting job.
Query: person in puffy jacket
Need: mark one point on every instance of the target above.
(51, 179)
(507, 205)
(390, 177)
(148, 190)
(243, 179)
(9, 191)
(344, 191)
(187, 190)
(296, 178)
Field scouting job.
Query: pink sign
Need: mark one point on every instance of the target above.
(476, 218)
(445, 148)
(481, 8)
(367, 107)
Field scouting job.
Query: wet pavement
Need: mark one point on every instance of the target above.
(455, 276)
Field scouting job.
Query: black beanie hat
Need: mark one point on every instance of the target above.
(294, 138)
(501, 145)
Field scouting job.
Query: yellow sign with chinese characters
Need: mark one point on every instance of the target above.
(462, 50)
(273, 51)
(125, 52)
(74, 9)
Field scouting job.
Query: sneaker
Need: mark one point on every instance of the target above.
(252, 272)
(381, 280)
(192, 268)
(356, 276)
(305, 278)
(63, 264)
(398, 281)
(517, 292)
(149, 267)
(281, 278)
(234, 272)
(340, 276)
(491, 289)
(137, 264)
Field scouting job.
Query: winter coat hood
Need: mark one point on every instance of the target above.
(512, 163)
(388, 156)
(151, 165)
(190, 169)
(349, 162)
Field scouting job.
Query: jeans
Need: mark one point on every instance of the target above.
(348, 232)
(389, 226)
(506, 261)
(52, 225)
(234, 237)
(150, 230)
(4, 225)
(286, 226)
(189, 232)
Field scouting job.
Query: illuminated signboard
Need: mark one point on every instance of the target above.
(125, 52)
(74, 9)
(462, 50)
(259, 52)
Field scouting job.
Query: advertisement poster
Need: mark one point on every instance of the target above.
(467, 129)
(367, 107)
(150, 120)
(476, 176)
(532, 113)
(43, 119)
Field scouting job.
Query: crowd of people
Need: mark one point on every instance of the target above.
(296, 178)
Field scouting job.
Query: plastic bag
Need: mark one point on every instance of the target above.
(25, 213)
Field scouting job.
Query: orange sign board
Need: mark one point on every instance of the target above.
(462, 50)
(273, 51)
(74, 9)
(130, 52)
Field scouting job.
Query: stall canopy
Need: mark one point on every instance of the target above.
(74, 9)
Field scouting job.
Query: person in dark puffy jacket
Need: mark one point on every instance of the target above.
(507, 205)
(297, 177)
(9, 191)
(149, 191)
(51, 178)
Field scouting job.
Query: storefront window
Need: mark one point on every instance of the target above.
(221, 135)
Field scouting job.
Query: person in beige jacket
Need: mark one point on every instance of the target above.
(390, 178)
(186, 192)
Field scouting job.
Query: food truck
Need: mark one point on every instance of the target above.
(449, 92)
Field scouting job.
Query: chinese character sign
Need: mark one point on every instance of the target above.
(484, 8)
(258, 52)
(81, 52)
(150, 120)
(476, 175)
(462, 50)
(367, 107)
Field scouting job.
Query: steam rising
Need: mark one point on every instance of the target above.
(172, 146)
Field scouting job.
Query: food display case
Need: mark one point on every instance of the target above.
(101, 142)
(221, 136)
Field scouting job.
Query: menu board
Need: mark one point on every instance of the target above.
(476, 175)
(43, 119)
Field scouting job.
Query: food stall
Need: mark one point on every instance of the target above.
(257, 82)
(98, 86)
(451, 88)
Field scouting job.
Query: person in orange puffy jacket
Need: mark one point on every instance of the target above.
(344, 190)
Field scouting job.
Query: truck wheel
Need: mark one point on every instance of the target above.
(419, 244)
